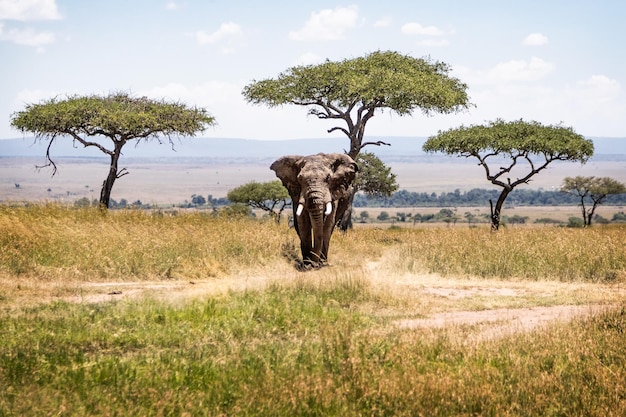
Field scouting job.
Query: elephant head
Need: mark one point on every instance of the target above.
(320, 187)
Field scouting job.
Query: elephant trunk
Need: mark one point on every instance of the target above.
(319, 207)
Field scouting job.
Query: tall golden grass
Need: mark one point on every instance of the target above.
(57, 242)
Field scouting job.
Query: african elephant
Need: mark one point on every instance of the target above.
(320, 186)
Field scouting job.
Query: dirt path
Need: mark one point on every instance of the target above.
(492, 308)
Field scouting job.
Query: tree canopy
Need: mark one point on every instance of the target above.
(350, 91)
(518, 149)
(269, 196)
(118, 117)
(595, 189)
(374, 178)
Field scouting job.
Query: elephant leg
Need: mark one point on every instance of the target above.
(304, 232)
(329, 227)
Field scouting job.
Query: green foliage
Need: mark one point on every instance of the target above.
(619, 217)
(383, 216)
(269, 196)
(198, 200)
(353, 89)
(374, 178)
(476, 197)
(592, 188)
(575, 222)
(516, 140)
(519, 148)
(381, 79)
(117, 115)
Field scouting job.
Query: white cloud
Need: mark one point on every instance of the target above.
(382, 23)
(26, 10)
(417, 29)
(601, 85)
(327, 24)
(225, 31)
(521, 70)
(27, 37)
(535, 39)
(172, 5)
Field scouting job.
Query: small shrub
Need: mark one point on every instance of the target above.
(575, 222)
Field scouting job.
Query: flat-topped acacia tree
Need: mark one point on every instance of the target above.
(595, 189)
(351, 91)
(118, 117)
(505, 149)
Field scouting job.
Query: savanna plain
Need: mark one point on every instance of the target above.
(143, 313)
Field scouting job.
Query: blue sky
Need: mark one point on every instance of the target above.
(549, 60)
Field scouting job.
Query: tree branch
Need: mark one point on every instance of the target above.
(86, 143)
(50, 161)
(377, 143)
(121, 173)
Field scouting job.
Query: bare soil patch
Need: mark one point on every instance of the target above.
(484, 308)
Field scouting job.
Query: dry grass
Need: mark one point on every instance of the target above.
(208, 316)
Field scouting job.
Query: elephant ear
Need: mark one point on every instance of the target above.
(287, 169)
(344, 168)
(344, 172)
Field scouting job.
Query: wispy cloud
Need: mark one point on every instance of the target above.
(172, 5)
(535, 39)
(521, 70)
(226, 35)
(383, 23)
(29, 10)
(27, 37)
(414, 28)
(327, 24)
(430, 36)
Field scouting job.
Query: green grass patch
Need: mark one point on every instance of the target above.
(297, 350)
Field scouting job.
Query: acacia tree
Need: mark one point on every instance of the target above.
(517, 148)
(350, 92)
(117, 117)
(374, 178)
(269, 196)
(594, 188)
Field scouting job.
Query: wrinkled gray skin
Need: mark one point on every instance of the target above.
(320, 186)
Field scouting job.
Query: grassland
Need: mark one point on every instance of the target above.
(136, 313)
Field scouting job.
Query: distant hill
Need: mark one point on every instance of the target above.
(403, 148)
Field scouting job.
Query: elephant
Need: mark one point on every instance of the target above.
(320, 187)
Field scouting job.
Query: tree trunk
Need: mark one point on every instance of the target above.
(107, 185)
(590, 214)
(345, 222)
(584, 210)
(495, 212)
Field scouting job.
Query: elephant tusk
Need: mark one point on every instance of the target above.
(299, 209)
(329, 208)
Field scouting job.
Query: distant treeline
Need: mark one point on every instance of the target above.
(478, 197)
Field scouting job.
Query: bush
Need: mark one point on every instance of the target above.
(383, 216)
(575, 222)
